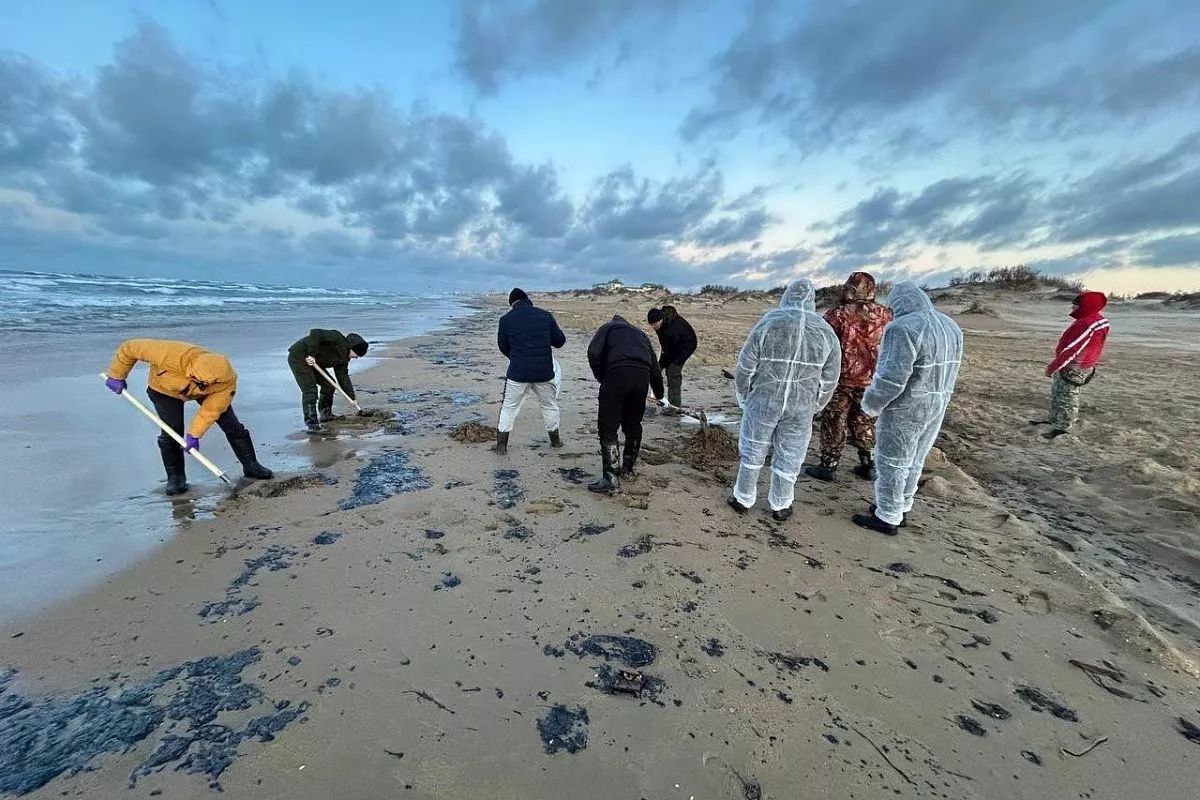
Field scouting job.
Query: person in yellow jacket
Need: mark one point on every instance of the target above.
(180, 372)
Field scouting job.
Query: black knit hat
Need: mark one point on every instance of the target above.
(655, 315)
(515, 295)
(357, 344)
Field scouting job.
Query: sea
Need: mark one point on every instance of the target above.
(80, 474)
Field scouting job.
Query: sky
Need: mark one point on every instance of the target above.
(473, 145)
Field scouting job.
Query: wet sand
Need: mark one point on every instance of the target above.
(420, 618)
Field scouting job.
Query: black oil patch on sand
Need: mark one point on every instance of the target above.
(507, 487)
(564, 729)
(1040, 701)
(236, 603)
(630, 651)
(385, 475)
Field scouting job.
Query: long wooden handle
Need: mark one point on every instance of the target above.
(150, 415)
(332, 381)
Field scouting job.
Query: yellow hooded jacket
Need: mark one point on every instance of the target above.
(183, 371)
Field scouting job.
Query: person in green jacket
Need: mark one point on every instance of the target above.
(327, 349)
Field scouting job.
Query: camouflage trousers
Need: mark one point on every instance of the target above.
(1064, 397)
(844, 418)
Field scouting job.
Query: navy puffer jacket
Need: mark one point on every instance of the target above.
(525, 336)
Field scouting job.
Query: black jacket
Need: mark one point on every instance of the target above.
(331, 350)
(525, 336)
(619, 345)
(677, 339)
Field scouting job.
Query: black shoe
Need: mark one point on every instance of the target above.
(176, 483)
(316, 428)
(783, 514)
(736, 506)
(1053, 433)
(609, 480)
(820, 472)
(312, 422)
(327, 415)
(865, 471)
(175, 465)
(903, 519)
(243, 448)
(629, 460)
(874, 523)
(501, 446)
(555, 439)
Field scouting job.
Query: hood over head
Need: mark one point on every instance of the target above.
(799, 295)
(357, 343)
(1089, 303)
(908, 298)
(209, 368)
(859, 288)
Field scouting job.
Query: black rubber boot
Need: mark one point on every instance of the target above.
(174, 462)
(327, 414)
(609, 481)
(629, 460)
(866, 465)
(874, 523)
(736, 506)
(782, 515)
(820, 472)
(311, 421)
(555, 439)
(243, 448)
(903, 519)
(1054, 433)
(500, 448)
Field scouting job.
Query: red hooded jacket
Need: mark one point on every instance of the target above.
(1082, 343)
(859, 322)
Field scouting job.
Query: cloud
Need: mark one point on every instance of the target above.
(1170, 251)
(500, 39)
(836, 72)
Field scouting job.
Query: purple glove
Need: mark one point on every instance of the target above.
(116, 385)
(191, 442)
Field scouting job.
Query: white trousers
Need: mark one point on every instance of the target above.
(514, 397)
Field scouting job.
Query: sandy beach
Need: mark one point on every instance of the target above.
(417, 617)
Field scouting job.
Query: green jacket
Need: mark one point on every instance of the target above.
(331, 350)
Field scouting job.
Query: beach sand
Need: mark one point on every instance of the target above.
(445, 640)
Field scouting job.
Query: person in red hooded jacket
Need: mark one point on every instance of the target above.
(858, 322)
(1075, 360)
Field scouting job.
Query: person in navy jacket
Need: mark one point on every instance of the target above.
(525, 336)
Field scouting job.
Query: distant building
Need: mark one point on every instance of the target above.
(617, 286)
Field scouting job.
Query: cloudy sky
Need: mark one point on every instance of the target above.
(480, 143)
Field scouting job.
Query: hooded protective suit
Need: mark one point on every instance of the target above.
(918, 366)
(787, 372)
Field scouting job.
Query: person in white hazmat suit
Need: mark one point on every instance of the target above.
(787, 372)
(914, 379)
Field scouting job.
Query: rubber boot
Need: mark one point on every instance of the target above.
(243, 448)
(327, 414)
(610, 481)
(782, 515)
(736, 506)
(629, 460)
(501, 446)
(903, 520)
(311, 421)
(874, 523)
(866, 465)
(820, 472)
(174, 462)
(555, 439)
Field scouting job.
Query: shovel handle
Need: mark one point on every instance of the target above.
(150, 415)
(332, 381)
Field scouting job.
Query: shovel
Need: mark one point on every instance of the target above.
(332, 381)
(150, 415)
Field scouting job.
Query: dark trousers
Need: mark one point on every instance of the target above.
(622, 404)
(675, 384)
(844, 418)
(306, 379)
(170, 411)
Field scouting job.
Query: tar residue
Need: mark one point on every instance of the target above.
(432, 534)
(518, 532)
(794, 663)
(970, 725)
(1040, 701)
(993, 710)
(326, 537)
(449, 581)
(1031, 757)
(386, 474)
(713, 648)
(1189, 731)
(507, 487)
(630, 651)
(564, 729)
(235, 604)
(638, 547)
(898, 567)
(643, 687)
(574, 475)
(593, 529)
(44, 737)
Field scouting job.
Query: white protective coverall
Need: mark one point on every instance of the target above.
(787, 372)
(918, 365)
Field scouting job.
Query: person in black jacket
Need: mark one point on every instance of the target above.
(623, 361)
(327, 349)
(677, 339)
(525, 336)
